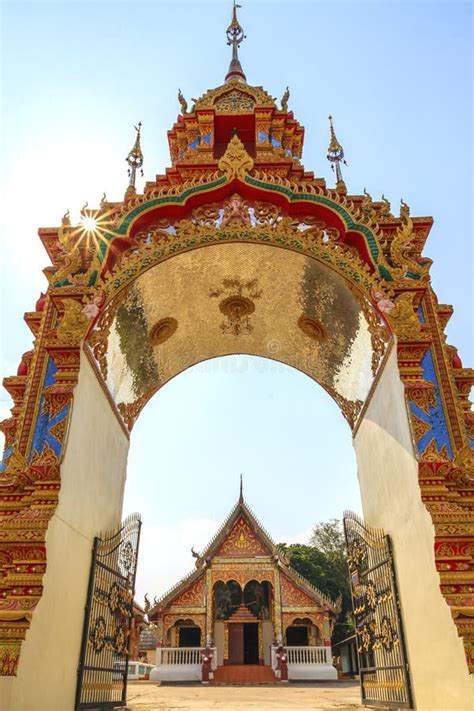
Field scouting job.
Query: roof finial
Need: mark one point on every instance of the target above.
(235, 35)
(135, 158)
(336, 157)
(284, 99)
(241, 497)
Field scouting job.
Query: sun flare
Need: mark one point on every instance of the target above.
(89, 224)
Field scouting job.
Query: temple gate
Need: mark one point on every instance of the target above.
(236, 249)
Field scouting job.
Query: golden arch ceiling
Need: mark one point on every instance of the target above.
(230, 298)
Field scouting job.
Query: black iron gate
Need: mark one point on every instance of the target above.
(384, 674)
(103, 662)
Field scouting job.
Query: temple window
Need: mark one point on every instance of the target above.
(184, 633)
(302, 633)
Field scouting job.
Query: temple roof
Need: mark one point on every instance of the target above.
(241, 508)
(203, 560)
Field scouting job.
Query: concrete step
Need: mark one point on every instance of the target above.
(244, 674)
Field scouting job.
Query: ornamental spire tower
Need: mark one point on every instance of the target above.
(135, 159)
(235, 35)
(336, 156)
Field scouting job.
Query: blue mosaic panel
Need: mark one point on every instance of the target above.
(421, 314)
(436, 417)
(6, 454)
(44, 423)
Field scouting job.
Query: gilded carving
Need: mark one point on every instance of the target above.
(379, 334)
(432, 454)
(291, 618)
(292, 595)
(241, 541)
(235, 162)
(99, 337)
(131, 410)
(404, 320)
(73, 323)
(193, 596)
(242, 574)
(238, 305)
(420, 427)
(170, 620)
(235, 101)
(402, 246)
(259, 96)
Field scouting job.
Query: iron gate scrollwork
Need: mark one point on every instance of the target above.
(103, 662)
(384, 674)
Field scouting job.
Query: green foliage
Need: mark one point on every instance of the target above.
(323, 564)
(328, 537)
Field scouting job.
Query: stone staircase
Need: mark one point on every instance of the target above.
(244, 674)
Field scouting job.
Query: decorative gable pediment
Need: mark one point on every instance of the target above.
(292, 595)
(235, 101)
(242, 541)
(193, 596)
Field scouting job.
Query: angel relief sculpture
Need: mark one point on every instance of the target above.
(235, 210)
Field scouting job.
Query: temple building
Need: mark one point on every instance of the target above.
(241, 600)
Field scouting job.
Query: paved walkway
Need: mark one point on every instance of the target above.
(322, 696)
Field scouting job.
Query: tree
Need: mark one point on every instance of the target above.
(323, 563)
(328, 537)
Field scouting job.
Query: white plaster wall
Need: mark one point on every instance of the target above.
(92, 484)
(391, 499)
(219, 642)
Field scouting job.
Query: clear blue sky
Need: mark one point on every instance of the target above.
(397, 77)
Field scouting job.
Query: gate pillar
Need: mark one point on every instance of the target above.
(391, 499)
(90, 500)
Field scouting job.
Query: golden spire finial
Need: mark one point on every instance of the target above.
(235, 35)
(336, 156)
(241, 496)
(135, 158)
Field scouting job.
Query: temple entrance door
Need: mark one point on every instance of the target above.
(250, 643)
(236, 643)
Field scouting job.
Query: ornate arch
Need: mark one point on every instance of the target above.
(378, 254)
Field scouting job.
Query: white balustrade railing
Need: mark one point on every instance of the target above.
(309, 655)
(182, 656)
(304, 655)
